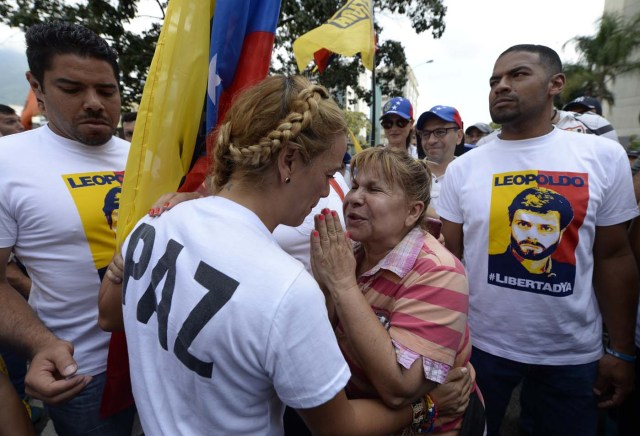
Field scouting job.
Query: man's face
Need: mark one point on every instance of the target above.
(473, 136)
(440, 150)
(520, 88)
(127, 129)
(81, 98)
(10, 124)
(535, 236)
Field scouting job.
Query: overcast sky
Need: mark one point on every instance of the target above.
(477, 31)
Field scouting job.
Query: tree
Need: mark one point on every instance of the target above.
(357, 121)
(603, 56)
(106, 18)
(300, 16)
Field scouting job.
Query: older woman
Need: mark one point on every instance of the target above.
(215, 310)
(399, 303)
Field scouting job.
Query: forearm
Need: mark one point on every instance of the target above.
(615, 283)
(374, 352)
(20, 328)
(18, 280)
(387, 420)
(340, 416)
(110, 306)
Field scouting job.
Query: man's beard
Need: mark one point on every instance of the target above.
(530, 254)
(504, 116)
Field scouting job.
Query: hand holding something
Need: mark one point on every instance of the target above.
(614, 382)
(51, 376)
(452, 397)
(115, 270)
(332, 259)
(167, 201)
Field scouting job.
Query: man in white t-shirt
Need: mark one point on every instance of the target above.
(61, 185)
(539, 329)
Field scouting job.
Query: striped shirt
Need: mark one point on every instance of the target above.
(419, 291)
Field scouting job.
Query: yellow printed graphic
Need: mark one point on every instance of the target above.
(503, 193)
(97, 198)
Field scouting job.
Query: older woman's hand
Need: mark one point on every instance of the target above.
(332, 260)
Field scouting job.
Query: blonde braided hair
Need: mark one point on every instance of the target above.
(265, 118)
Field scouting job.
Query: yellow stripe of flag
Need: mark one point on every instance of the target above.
(169, 116)
(348, 32)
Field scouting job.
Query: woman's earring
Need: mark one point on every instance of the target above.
(287, 180)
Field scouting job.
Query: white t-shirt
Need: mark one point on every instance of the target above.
(243, 327)
(551, 318)
(295, 240)
(56, 207)
(574, 122)
(588, 122)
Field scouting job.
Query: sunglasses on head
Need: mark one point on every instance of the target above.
(387, 123)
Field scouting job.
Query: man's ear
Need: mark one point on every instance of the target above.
(556, 84)
(415, 211)
(36, 86)
(286, 161)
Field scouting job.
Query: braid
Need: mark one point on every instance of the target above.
(224, 158)
(303, 123)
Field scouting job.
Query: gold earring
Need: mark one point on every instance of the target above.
(287, 180)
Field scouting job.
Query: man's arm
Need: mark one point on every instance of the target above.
(51, 372)
(615, 279)
(453, 237)
(17, 279)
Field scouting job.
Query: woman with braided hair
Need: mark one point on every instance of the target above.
(214, 310)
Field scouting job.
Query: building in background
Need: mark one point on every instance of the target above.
(410, 92)
(624, 116)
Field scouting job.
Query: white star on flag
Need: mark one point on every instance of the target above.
(214, 79)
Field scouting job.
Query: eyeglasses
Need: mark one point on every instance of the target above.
(400, 122)
(438, 133)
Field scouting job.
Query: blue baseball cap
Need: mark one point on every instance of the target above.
(398, 106)
(445, 113)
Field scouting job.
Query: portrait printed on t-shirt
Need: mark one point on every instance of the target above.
(533, 232)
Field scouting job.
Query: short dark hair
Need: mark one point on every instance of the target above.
(7, 110)
(548, 56)
(46, 40)
(129, 116)
(542, 201)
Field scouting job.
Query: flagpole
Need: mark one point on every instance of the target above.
(373, 86)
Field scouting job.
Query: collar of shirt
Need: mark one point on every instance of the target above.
(401, 259)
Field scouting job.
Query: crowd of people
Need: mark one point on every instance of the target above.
(413, 297)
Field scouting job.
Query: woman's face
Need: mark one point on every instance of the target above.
(375, 211)
(311, 182)
(397, 136)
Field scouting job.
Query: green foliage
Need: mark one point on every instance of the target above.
(300, 16)
(603, 56)
(356, 121)
(109, 17)
(106, 18)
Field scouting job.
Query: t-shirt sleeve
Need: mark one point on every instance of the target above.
(619, 202)
(304, 360)
(8, 224)
(448, 204)
(430, 314)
